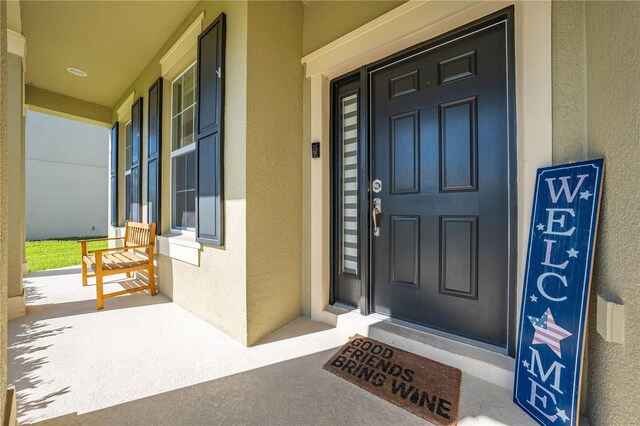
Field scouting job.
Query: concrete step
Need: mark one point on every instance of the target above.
(482, 363)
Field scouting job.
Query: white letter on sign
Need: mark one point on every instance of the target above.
(547, 258)
(555, 368)
(543, 399)
(551, 220)
(562, 279)
(564, 188)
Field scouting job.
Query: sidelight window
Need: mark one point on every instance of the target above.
(349, 152)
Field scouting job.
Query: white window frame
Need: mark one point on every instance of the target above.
(177, 153)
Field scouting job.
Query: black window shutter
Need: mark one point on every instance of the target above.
(136, 154)
(209, 134)
(154, 150)
(113, 175)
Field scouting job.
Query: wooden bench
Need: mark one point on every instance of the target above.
(138, 238)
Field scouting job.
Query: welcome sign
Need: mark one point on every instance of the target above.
(556, 291)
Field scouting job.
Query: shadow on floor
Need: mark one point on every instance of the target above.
(33, 334)
(45, 311)
(296, 328)
(24, 362)
(293, 392)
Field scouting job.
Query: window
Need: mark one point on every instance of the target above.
(128, 189)
(349, 142)
(349, 251)
(183, 154)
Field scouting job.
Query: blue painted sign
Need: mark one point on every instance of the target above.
(556, 291)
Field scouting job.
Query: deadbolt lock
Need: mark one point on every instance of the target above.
(376, 186)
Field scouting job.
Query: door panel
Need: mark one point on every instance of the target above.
(440, 144)
(458, 145)
(405, 153)
(405, 250)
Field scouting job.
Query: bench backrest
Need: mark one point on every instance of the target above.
(139, 234)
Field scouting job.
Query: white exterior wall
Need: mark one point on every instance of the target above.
(66, 177)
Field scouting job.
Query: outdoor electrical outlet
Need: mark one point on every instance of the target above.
(610, 320)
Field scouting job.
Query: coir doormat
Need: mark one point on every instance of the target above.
(421, 386)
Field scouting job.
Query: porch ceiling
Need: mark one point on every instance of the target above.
(111, 41)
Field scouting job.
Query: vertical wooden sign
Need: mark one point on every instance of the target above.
(555, 298)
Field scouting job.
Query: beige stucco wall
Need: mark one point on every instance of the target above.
(596, 110)
(251, 286)
(216, 290)
(4, 186)
(613, 129)
(15, 170)
(274, 170)
(324, 22)
(569, 81)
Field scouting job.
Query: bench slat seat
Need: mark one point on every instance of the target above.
(116, 261)
(135, 255)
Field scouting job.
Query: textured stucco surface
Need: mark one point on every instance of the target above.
(325, 21)
(4, 186)
(613, 117)
(274, 170)
(569, 70)
(263, 127)
(216, 290)
(66, 178)
(15, 166)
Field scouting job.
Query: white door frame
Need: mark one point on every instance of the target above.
(405, 26)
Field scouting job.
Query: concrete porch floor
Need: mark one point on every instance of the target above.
(144, 360)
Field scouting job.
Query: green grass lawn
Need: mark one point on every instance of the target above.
(50, 254)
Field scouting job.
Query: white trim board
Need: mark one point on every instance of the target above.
(17, 306)
(403, 27)
(181, 48)
(124, 110)
(16, 44)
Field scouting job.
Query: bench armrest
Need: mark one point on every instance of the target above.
(122, 248)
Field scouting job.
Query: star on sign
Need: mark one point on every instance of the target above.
(573, 252)
(584, 195)
(525, 363)
(534, 298)
(540, 227)
(547, 332)
(562, 414)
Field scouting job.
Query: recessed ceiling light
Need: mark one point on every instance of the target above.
(76, 71)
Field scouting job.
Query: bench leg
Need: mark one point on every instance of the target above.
(152, 279)
(99, 291)
(128, 274)
(84, 265)
(84, 274)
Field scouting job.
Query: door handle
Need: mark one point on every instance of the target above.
(377, 209)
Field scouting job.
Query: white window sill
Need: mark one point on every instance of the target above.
(183, 247)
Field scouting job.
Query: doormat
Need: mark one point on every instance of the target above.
(421, 386)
